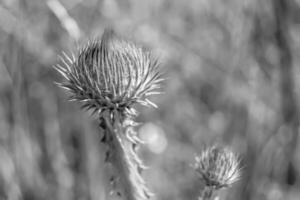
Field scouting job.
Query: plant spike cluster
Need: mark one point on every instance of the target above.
(218, 167)
(109, 76)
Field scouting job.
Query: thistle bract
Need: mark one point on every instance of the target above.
(111, 74)
(217, 167)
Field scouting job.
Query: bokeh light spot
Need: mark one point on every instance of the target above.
(154, 137)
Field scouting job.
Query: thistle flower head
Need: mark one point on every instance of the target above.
(111, 74)
(217, 166)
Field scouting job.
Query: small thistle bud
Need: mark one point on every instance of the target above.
(111, 74)
(218, 167)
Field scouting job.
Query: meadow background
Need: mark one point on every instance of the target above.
(233, 77)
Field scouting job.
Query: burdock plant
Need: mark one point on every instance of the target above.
(218, 167)
(109, 76)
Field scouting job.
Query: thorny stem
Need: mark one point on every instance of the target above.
(117, 155)
(122, 157)
(206, 193)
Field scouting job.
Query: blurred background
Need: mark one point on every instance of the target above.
(233, 77)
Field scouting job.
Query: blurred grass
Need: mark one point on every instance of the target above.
(217, 90)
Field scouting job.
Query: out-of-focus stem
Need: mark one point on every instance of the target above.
(67, 22)
(289, 108)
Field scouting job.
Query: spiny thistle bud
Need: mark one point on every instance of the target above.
(111, 74)
(217, 166)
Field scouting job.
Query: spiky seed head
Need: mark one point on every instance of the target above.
(111, 74)
(217, 166)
